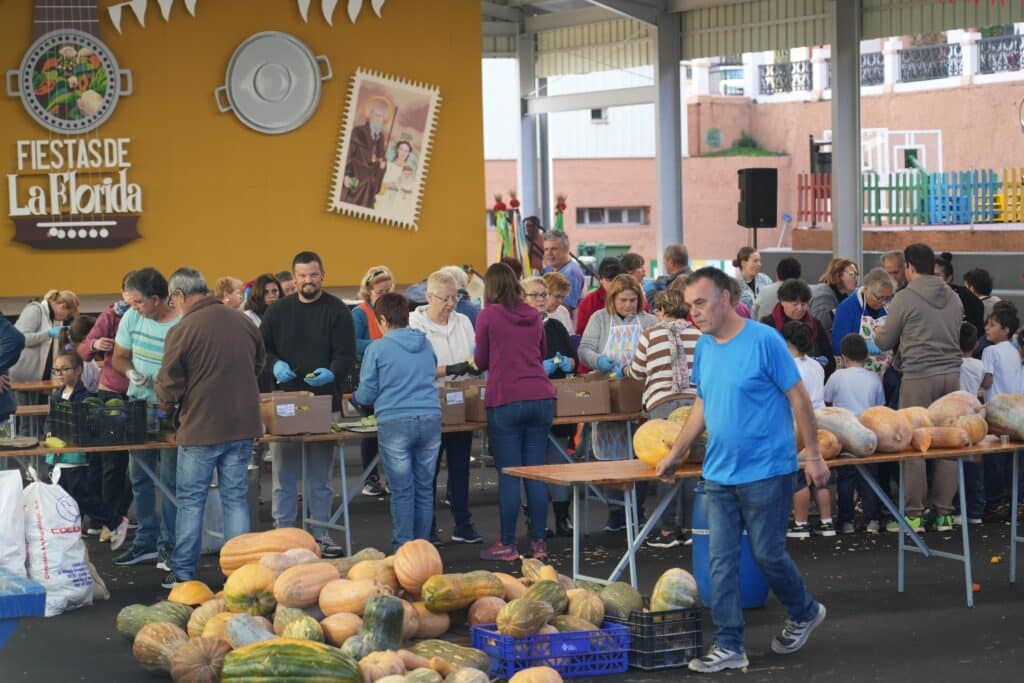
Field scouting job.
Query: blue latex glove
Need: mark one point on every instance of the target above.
(319, 377)
(605, 364)
(550, 366)
(873, 348)
(54, 331)
(566, 364)
(822, 360)
(618, 371)
(283, 372)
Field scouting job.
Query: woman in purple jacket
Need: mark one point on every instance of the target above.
(520, 403)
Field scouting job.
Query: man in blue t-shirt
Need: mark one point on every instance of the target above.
(556, 258)
(748, 393)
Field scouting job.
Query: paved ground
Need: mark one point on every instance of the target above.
(873, 633)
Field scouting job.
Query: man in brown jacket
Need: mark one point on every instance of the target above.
(211, 361)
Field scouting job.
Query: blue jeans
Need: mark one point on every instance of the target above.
(519, 433)
(974, 489)
(409, 448)
(763, 508)
(195, 473)
(287, 473)
(848, 481)
(457, 447)
(153, 532)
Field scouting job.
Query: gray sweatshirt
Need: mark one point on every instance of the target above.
(924, 319)
(599, 327)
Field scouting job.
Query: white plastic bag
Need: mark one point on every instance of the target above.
(56, 553)
(12, 523)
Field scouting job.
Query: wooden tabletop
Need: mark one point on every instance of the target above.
(41, 410)
(42, 450)
(617, 473)
(43, 386)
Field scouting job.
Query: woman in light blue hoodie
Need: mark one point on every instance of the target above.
(397, 378)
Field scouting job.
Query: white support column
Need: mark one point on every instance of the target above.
(545, 165)
(701, 76)
(819, 72)
(527, 57)
(891, 63)
(846, 190)
(667, 110)
(752, 62)
(971, 56)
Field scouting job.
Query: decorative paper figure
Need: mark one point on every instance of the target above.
(384, 148)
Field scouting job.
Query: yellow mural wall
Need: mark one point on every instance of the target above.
(228, 200)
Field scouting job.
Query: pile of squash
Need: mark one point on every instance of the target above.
(286, 613)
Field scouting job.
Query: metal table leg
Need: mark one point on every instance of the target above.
(576, 531)
(968, 583)
(344, 501)
(901, 518)
(305, 489)
(156, 480)
(1015, 537)
(634, 545)
(629, 500)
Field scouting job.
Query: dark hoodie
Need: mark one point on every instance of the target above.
(924, 319)
(397, 376)
(514, 339)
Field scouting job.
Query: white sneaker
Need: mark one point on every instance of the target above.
(718, 659)
(874, 527)
(118, 535)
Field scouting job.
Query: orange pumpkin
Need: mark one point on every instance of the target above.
(410, 620)
(944, 411)
(485, 610)
(378, 570)
(975, 426)
(943, 437)
(340, 627)
(343, 595)
(514, 588)
(537, 674)
(156, 644)
(247, 548)
(917, 416)
(251, 589)
(202, 614)
(200, 660)
(217, 625)
(300, 586)
(892, 429)
(431, 624)
(190, 593)
(415, 562)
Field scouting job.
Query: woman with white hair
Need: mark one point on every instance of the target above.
(377, 282)
(464, 305)
(452, 336)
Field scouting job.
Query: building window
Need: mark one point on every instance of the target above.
(491, 225)
(599, 115)
(618, 215)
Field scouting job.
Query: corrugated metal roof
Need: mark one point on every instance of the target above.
(499, 46)
(755, 26)
(603, 46)
(882, 18)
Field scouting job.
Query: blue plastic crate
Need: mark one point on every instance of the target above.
(581, 653)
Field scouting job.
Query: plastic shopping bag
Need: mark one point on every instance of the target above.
(12, 523)
(56, 553)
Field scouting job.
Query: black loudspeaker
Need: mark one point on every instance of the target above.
(759, 190)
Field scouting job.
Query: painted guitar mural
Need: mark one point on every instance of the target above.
(72, 189)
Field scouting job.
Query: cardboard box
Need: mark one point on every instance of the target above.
(474, 392)
(627, 395)
(453, 406)
(581, 396)
(295, 412)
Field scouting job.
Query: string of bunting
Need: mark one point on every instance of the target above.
(327, 8)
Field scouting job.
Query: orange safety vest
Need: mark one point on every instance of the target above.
(371, 321)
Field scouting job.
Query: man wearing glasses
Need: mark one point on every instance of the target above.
(138, 354)
(556, 259)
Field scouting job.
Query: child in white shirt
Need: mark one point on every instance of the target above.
(855, 388)
(972, 371)
(799, 340)
(1002, 366)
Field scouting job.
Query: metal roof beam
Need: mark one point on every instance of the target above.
(556, 20)
(689, 5)
(631, 9)
(502, 12)
(500, 28)
(597, 99)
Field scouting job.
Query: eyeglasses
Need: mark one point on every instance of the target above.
(852, 273)
(444, 299)
(537, 295)
(62, 371)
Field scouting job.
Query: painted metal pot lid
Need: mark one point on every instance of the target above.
(273, 82)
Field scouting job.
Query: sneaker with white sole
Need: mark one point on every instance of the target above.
(795, 633)
(826, 529)
(873, 527)
(134, 556)
(719, 659)
(798, 530)
(118, 535)
(163, 558)
(170, 581)
(847, 528)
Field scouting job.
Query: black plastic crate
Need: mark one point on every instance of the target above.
(87, 424)
(663, 640)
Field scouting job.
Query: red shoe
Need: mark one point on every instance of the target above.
(539, 549)
(500, 551)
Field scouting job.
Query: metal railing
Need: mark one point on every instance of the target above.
(872, 68)
(931, 62)
(785, 77)
(999, 54)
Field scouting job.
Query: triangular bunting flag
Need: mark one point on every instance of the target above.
(165, 8)
(139, 8)
(190, 5)
(376, 5)
(327, 7)
(354, 7)
(304, 9)
(115, 16)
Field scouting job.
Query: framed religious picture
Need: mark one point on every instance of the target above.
(381, 166)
